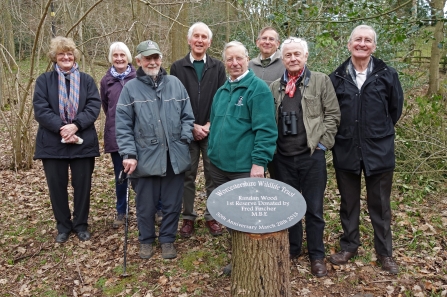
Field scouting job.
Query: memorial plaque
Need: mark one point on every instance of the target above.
(256, 205)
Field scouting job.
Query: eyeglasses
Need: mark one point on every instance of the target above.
(65, 54)
(290, 40)
(270, 39)
(238, 60)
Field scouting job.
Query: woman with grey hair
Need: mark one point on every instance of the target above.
(112, 84)
(66, 105)
(371, 101)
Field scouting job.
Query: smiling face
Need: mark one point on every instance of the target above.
(119, 60)
(267, 43)
(236, 61)
(199, 42)
(362, 44)
(294, 57)
(65, 60)
(150, 64)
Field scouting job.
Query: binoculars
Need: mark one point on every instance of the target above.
(289, 123)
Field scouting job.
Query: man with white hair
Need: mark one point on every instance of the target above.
(243, 130)
(201, 75)
(154, 120)
(308, 115)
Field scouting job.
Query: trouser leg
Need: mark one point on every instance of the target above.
(209, 184)
(171, 200)
(147, 195)
(313, 177)
(120, 189)
(81, 181)
(189, 192)
(349, 187)
(56, 173)
(378, 189)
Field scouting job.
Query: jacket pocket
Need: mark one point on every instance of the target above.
(313, 106)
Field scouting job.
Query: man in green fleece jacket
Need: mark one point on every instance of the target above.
(243, 130)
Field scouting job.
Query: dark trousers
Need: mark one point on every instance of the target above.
(168, 189)
(56, 173)
(378, 190)
(220, 177)
(189, 193)
(306, 173)
(120, 189)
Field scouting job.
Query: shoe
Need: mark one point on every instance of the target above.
(146, 250)
(318, 267)
(168, 250)
(214, 227)
(119, 220)
(227, 269)
(83, 235)
(158, 217)
(187, 229)
(388, 264)
(62, 237)
(342, 257)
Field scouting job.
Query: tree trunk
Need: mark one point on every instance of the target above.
(433, 74)
(261, 265)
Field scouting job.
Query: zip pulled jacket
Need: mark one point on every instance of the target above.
(110, 89)
(150, 116)
(368, 117)
(201, 93)
(321, 113)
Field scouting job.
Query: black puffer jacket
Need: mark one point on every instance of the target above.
(46, 113)
(368, 116)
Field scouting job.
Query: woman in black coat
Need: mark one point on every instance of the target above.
(66, 105)
(371, 99)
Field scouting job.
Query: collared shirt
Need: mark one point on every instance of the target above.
(239, 78)
(191, 58)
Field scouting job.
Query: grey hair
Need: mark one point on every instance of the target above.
(231, 44)
(191, 30)
(119, 46)
(300, 41)
(268, 29)
(364, 27)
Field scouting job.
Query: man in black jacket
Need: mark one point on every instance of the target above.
(371, 101)
(201, 75)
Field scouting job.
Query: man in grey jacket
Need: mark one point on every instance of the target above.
(308, 116)
(267, 65)
(154, 122)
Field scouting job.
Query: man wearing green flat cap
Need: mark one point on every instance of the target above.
(154, 122)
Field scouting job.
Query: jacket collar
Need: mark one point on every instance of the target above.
(342, 70)
(186, 62)
(111, 79)
(276, 56)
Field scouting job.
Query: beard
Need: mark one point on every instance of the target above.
(152, 72)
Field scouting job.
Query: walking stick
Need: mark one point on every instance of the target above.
(121, 179)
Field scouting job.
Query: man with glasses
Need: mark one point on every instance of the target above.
(267, 65)
(308, 115)
(154, 122)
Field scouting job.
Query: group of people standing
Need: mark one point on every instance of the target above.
(270, 112)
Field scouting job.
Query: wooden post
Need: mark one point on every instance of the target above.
(261, 264)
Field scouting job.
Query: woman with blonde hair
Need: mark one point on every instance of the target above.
(66, 105)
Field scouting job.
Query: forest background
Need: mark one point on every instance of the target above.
(411, 38)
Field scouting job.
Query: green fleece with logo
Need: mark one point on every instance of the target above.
(243, 129)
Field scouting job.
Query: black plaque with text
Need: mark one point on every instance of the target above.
(256, 205)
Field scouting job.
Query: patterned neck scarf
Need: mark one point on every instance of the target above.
(291, 83)
(68, 104)
(120, 76)
(351, 70)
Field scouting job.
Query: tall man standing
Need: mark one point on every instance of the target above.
(154, 120)
(308, 115)
(267, 65)
(201, 75)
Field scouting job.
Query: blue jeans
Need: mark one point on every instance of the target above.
(307, 174)
(120, 189)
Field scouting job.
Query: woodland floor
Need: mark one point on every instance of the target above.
(32, 264)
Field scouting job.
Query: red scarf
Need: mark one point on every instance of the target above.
(291, 84)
